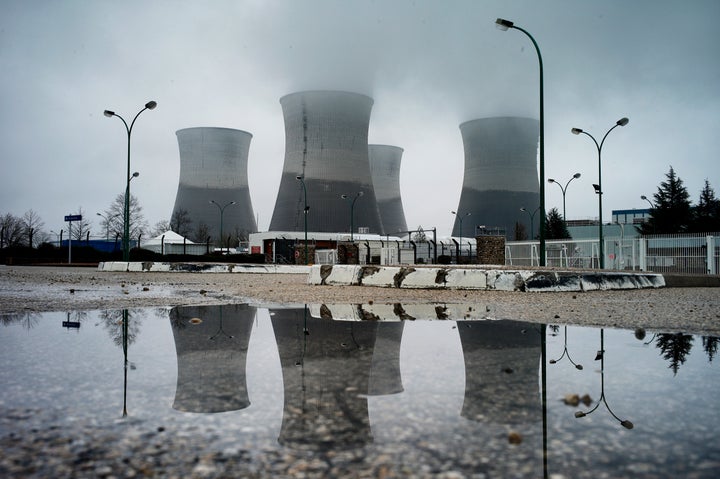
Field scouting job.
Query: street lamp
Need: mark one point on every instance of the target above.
(301, 179)
(222, 210)
(652, 205)
(601, 357)
(598, 188)
(460, 218)
(352, 208)
(532, 218)
(504, 25)
(564, 190)
(126, 220)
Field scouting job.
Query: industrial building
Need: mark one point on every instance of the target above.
(500, 177)
(326, 156)
(213, 186)
(385, 170)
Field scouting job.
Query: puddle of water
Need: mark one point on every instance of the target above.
(425, 396)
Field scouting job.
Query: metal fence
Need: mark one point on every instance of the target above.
(683, 253)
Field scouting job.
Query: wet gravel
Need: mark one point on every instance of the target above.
(34, 444)
(42, 289)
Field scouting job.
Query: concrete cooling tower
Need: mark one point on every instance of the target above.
(213, 167)
(326, 144)
(385, 171)
(501, 175)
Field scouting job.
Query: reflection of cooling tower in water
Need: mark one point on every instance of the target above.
(502, 360)
(385, 377)
(500, 174)
(325, 377)
(213, 167)
(326, 136)
(211, 343)
(385, 170)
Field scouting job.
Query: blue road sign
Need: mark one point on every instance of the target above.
(73, 218)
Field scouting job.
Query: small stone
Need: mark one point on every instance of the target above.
(514, 438)
(571, 400)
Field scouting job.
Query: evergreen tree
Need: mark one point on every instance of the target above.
(674, 348)
(673, 211)
(706, 218)
(555, 227)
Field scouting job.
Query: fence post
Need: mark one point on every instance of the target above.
(642, 247)
(711, 254)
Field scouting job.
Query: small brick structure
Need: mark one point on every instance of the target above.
(300, 253)
(491, 249)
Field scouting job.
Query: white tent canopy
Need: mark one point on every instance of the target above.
(168, 237)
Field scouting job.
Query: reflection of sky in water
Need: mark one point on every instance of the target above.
(63, 375)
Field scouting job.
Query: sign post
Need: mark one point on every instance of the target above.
(70, 219)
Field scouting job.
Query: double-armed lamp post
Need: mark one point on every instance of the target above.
(460, 219)
(222, 211)
(564, 190)
(504, 25)
(352, 211)
(126, 220)
(301, 179)
(598, 187)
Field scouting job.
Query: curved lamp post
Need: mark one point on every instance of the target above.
(564, 190)
(460, 218)
(504, 25)
(652, 205)
(352, 210)
(126, 220)
(222, 211)
(532, 219)
(301, 179)
(598, 188)
(601, 356)
(566, 353)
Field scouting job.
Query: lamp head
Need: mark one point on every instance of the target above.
(597, 188)
(343, 197)
(626, 424)
(361, 193)
(233, 202)
(622, 122)
(151, 105)
(576, 131)
(643, 197)
(579, 366)
(551, 180)
(580, 414)
(109, 113)
(298, 177)
(523, 209)
(453, 212)
(502, 24)
(136, 174)
(576, 175)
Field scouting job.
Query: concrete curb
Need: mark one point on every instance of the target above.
(409, 277)
(155, 267)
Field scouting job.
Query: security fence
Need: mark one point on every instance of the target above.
(682, 253)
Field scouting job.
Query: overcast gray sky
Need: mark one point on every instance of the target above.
(429, 65)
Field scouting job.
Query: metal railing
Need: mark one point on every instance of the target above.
(682, 253)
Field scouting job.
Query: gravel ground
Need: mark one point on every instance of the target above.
(39, 289)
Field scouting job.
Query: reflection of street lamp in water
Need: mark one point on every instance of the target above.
(566, 352)
(601, 356)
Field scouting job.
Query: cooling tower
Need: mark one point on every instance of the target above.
(502, 363)
(385, 172)
(326, 144)
(213, 167)
(326, 370)
(500, 175)
(211, 343)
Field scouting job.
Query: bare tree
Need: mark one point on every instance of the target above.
(116, 213)
(81, 228)
(201, 233)
(160, 227)
(180, 222)
(12, 230)
(33, 225)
